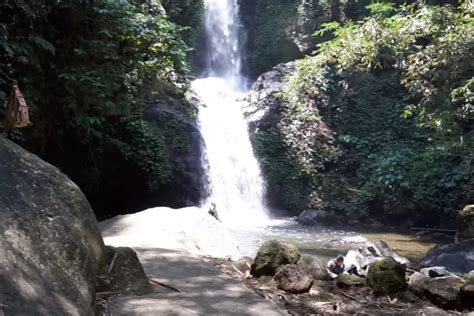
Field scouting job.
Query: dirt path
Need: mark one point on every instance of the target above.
(203, 289)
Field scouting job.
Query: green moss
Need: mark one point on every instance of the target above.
(387, 277)
(346, 281)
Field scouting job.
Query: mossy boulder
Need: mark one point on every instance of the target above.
(466, 223)
(272, 255)
(387, 276)
(467, 291)
(346, 281)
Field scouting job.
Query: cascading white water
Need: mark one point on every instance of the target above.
(236, 185)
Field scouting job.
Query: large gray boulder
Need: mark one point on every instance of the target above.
(443, 291)
(50, 245)
(273, 255)
(457, 258)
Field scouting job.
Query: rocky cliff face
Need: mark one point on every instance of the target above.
(50, 245)
(279, 31)
(186, 187)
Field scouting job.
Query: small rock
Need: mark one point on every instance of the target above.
(314, 266)
(441, 291)
(387, 277)
(294, 279)
(436, 272)
(244, 264)
(272, 255)
(467, 291)
(126, 276)
(346, 281)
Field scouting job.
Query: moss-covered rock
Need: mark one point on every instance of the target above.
(272, 255)
(467, 291)
(466, 223)
(346, 281)
(387, 277)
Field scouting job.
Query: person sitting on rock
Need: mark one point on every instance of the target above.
(336, 267)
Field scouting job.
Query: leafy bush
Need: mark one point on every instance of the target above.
(87, 70)
(378, 120)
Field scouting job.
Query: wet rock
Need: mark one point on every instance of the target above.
(456, 258)
(272, 255)
(346, 281)
(124, 273)
(294, 279)
(50, 246)
(314, 266)
(387, 276)
(317, 217)
(442, 291)
(465, 224)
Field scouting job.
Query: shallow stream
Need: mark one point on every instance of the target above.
(327, 243)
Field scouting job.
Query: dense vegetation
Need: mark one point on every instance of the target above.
(87, 70)
(380, 121)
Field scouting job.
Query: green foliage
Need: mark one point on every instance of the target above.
(380, 120)
(87, 70)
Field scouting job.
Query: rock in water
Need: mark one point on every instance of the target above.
(314, 266)
(294, 279)
(272, 255)
(456, 258)
(124, 273)
(387, 276)
(441, 291)
(50, 245)
(316, 217)
(466, 224)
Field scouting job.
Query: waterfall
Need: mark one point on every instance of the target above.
(236, 186)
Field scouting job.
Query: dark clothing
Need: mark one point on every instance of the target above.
(334, 268)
